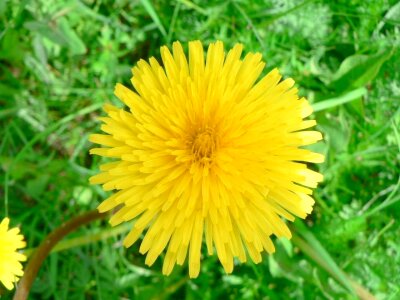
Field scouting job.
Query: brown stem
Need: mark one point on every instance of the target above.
(45, 247)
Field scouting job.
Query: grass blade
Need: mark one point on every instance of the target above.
(313, 248)
(193, 6)
(332, 102)
(153, 14)
(393, 197)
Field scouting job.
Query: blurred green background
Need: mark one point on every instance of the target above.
(59, 62)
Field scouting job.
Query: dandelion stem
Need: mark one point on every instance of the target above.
(45, 247)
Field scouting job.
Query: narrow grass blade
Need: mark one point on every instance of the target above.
(394, 196)
(250, 23)
(86, 239)
(153, 14)
(313, 248)
(193, 6)
(329, 103)
(52, 128)
(308, 243)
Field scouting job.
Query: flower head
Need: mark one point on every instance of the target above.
(206, 149)
(10, 259)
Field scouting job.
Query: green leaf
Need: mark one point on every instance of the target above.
(336, 136)
(74, 42)
(10, 46)
(343, 231)
(332, 102)
(35, 187)
(82, 194)
(62, 34)
(274, 267)
(392, 14)
(3, 5)
(6, 91)
(40, 70)
(43, 29)
(16, 170)
(358, 70)
(39, 49)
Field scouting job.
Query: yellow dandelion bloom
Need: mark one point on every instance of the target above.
(207, 149)
(10, 259)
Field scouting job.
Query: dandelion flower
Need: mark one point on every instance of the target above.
(207, 149)
(10, 259)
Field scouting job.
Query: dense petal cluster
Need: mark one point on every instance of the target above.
(207, 149)
(10, 259)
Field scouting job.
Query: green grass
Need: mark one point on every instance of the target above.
(59, 62)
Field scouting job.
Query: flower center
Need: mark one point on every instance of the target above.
(204, 145)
